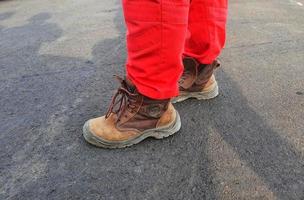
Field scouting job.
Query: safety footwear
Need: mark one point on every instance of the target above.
(197, 81)
(131, 118)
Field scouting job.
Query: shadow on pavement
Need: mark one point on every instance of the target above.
(37, 93)
(6, 15)
(270, 156)
(45, 100)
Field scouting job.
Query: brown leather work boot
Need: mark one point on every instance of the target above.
(135, 118)
(197, 81)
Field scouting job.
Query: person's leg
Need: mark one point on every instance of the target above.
(205, 40)
(156, 31)
(206, 30)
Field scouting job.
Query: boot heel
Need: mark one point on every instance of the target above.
(208, 95)
(168, 131)
(205, 95)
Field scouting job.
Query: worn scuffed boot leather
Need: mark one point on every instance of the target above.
(197, 81)
(131, 118)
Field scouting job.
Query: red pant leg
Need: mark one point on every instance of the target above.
(206, 29)
(156, 31)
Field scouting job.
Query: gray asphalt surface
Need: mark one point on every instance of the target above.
(57, 59)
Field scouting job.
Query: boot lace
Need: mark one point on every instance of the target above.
(122, 100)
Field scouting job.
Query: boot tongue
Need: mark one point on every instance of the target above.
(130, 86)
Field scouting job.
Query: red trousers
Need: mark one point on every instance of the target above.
(160, 32)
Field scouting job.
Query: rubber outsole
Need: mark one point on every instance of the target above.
(204, 95)
(157, 133)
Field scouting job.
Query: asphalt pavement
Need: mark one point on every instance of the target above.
(57, 59)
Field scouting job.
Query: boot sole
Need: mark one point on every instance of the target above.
(204, 95)
(157, 133)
